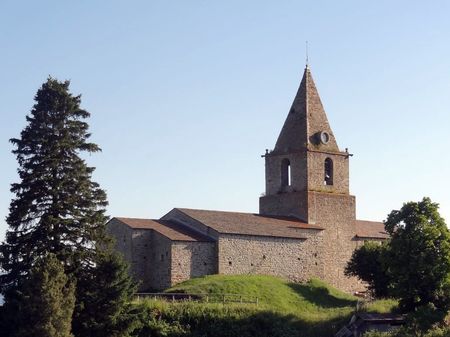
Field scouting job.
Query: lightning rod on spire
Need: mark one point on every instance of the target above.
(307, 56)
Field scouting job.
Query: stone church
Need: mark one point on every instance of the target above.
(306, 226)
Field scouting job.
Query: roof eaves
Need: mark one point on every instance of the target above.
(267, 235)
(381, 236)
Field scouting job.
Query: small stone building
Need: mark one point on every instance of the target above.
(306, 226)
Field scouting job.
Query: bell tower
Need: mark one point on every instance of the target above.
(307, 177)
(306, 159)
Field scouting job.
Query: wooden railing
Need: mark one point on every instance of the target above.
(207, 298)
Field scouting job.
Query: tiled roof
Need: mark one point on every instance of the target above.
(370, 230)
(169, 229)
(250, 224)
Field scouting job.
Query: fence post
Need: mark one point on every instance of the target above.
(257, 301)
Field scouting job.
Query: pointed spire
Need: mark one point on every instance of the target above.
(306, 121)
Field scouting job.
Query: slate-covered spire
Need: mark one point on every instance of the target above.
(306, 125)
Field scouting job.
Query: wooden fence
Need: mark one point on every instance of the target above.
(207, 298)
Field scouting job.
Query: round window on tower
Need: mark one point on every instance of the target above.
(324, 137)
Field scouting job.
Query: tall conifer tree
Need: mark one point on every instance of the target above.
(58, 209)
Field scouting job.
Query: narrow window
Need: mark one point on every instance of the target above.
(289, 175)
(285, 173)
(328, 169)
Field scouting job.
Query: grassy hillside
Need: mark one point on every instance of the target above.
(274, 293)
(284, 309)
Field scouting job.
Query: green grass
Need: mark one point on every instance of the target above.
(285, 309)
(314, 298)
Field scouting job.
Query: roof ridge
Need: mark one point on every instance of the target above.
(127, 217)
(214, 210)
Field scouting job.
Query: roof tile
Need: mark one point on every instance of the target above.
(169, 229)
(370, 230)
(250, 224)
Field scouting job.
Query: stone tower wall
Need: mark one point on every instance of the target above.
(335, 213)
(285, 204)
(273, 164)
(316, 172)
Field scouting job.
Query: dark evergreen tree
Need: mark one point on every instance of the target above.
(57, 208)
(45, 301)
(105, 292)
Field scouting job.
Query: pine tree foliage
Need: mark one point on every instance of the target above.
(105, 293)
(45, 301)
(56, 208)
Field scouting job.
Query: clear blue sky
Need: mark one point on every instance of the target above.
(186, 95)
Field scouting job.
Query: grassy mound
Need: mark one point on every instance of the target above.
(273, 293)
(285, 309)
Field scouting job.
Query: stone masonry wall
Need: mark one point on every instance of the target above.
(316, 169)
(134, 245)
(273, 164)
(160, 263)
(122, 236)
(336, 213)
(156, 262)
(141, 245)
(192, 259)
(293, 259)
(285, 204)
